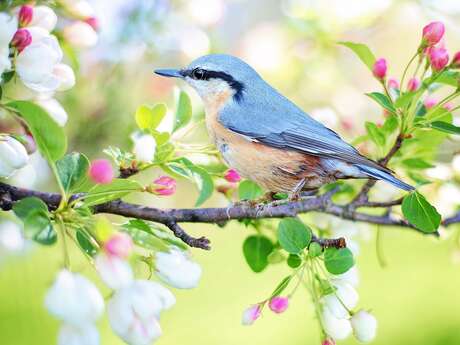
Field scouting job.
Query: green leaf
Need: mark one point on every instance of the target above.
(164, 152)
(198, 175)
(183, 111)
(161, 138)
(445, 127)
(149, 118)
(451, 78)
(281, 286)
(26, 206)
(375, 133)
(49, 136)
(314, 250)
(390, 124)
(72, 170)
(106, 192)
(338, 261)
(85, 243)
(294, 260)
(382, 100)
(293, 235)
(248, 190)
(420, 213)
(37, 226)
(416, 163)
(404, 100)
(256, 249)
(363, 52)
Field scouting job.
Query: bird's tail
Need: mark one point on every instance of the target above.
(381, 174)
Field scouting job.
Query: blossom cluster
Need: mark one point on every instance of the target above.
(32, 68)
(136, 304)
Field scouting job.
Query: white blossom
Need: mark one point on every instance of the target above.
(80, 35)
(74, 299)
(133, 311)
(79, 8)
(364, 326)
(8, 26)
(114, 271)
(36, 64)
(85, 335)
(65, 75)
(54, 109)
(351, 276)
(176, 269)
(336, 328)
(144, 148)
(13, 156)
(5, 63)
(12, 239)
(44, 17)
(344, 298)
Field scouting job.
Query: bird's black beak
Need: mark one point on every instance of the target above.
(169, 72)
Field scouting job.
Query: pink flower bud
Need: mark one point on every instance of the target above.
(30, 144)
(456, 60)
(439, 58)
(93, 22)
(380, 68)
(278, 304)
(231, 175)
(393, 83)
(413, 84)
(328, 341)
(101, 171)
(432, 33)
(251, 314)
(25, 15)
(119, 244)
(164, 185)
(448, 106)
(21, 39)
(430, 102)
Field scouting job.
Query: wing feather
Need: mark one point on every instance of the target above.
(280, 123)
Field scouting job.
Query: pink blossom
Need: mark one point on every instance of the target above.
(119, 244)
(21, 39)
(413, 84)
(430, 102)
(393, 83)
(439, 58)
(278, 304)
(231, 175)
(432, 33)
(380, 68)
(101, 171)
(448, 106)
(328, 341)
(251, 314)
(456, 60)
(93, 22)
(164, 185)
(25, 15)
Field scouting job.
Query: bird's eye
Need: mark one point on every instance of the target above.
(198, 73)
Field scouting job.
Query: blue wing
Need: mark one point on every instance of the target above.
(275, 121)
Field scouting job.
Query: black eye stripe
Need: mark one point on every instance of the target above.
(202, 74)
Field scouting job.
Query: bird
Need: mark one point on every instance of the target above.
(265, 137)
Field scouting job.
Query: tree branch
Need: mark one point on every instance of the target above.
(173, 217)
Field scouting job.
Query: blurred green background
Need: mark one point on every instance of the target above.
(292, 44)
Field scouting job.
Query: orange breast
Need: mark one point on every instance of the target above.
(274, 169)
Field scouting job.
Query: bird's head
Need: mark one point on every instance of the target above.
(213, 74)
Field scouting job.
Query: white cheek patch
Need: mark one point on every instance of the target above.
(207, 88)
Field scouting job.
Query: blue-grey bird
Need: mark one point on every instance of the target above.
(266, 137)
